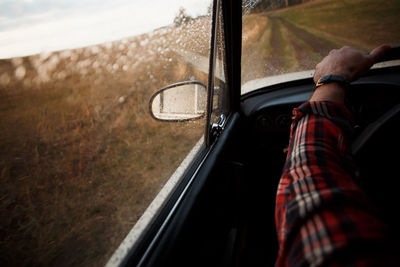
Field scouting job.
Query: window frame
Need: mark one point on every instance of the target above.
(202, 159)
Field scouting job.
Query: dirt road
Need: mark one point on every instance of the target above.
(282, 47)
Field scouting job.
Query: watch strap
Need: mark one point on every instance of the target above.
(332, 78)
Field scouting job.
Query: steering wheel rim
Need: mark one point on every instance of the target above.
(371, 129)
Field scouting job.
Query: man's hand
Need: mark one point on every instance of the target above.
(348, 62)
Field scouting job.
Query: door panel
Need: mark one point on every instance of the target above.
(198, 233)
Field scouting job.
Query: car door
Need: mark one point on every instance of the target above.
(198, 210)
(221, 214)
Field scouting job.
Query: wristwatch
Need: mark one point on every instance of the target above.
(332, 79)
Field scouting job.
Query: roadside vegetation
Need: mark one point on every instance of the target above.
(80, 156)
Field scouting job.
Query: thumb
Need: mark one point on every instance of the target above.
(379, 52)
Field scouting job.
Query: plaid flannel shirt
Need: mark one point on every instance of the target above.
(322, 215)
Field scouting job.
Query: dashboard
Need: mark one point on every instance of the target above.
(270, 109)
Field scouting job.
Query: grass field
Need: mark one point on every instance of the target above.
(297, 38)
(80, 156)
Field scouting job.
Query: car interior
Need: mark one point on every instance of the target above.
(226, 217)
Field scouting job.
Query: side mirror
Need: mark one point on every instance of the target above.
(179, 102)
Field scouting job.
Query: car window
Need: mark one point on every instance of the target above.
(282, 40)
(219, 106)
(80, 156)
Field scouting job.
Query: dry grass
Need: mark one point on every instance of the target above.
(80, 157)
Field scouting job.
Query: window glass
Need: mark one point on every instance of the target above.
(80, 156)
(289, 36)
(220, 106)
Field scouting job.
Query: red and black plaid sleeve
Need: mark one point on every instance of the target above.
(322, 215)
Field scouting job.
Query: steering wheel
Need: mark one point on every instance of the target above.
(376, 148)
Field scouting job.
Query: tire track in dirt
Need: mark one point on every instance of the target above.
(275, 62)
(287, 48)
(285, 56)
(256, 50)
(307, 48)
(305, 56)
(301, 53)
(318, 45)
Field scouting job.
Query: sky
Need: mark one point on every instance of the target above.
(34, 26)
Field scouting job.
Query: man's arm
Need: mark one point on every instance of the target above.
(322, 215)
(345, 62)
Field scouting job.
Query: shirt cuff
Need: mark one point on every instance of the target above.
(336, 112)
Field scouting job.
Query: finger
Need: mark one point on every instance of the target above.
(379, 52)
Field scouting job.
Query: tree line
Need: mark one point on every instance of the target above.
(255, 5)
(263, 5)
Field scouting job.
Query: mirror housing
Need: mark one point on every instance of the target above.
(181, 101)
